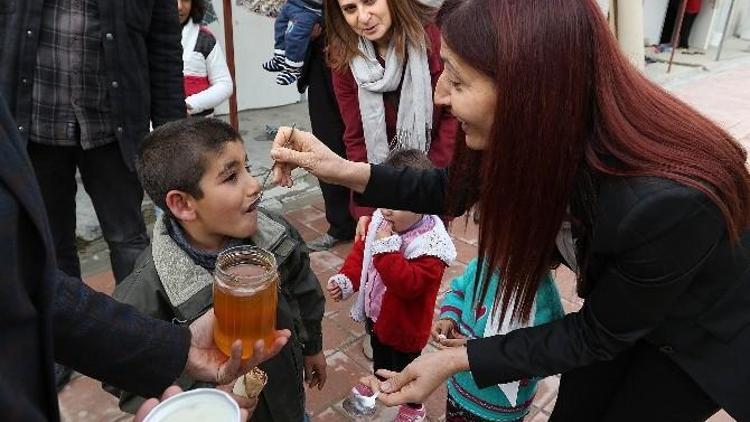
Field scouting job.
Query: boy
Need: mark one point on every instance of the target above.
(397, 270)
(196, 170)
(292, 32)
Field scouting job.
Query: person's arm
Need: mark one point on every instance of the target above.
(659, 246)
(113, 342)
(404, 278)
(347, 97)
(220, 81)
(164, 46)
(421, 191)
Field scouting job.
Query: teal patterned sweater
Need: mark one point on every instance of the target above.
(491, 403)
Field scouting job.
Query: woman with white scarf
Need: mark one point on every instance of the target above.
(385, 57)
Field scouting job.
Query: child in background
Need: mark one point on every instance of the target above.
(397, 270)
(292, 32)
(207, 79)
(463, 316)
(196, 170)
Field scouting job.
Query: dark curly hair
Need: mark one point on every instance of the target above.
(198, 10)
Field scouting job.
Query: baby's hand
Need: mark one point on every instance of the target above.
(385, 230)
(334, 291)
(362, 224)
(445, 334)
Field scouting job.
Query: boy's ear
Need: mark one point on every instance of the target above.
(180, 204)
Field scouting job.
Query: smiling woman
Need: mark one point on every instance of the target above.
(385, 57)
(580, 160)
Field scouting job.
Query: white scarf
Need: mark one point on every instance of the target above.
(436, 242)
(414, 121)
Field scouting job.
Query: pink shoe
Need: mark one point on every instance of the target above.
(407, 413)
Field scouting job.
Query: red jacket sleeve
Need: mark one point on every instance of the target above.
(408, 278)
(345, 88)
(444, 125)
(352, 267)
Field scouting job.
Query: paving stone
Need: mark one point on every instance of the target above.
(466, 252)
(324, 260)
(342, 374)
(83, 400)
(334, 336)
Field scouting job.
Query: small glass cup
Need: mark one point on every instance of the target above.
(245, 298)
(361, 402)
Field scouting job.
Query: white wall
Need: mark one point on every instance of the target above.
(253, 44)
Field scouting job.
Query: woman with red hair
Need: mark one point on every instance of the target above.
(574, 158)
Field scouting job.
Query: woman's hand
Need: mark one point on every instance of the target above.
(420, 378)
(205, 362)
(296, 148)
(446, 334)
(151, 403)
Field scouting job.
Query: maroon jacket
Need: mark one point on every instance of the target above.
(444, 125)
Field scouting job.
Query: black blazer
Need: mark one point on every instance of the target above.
(663, 270)
(46, 315)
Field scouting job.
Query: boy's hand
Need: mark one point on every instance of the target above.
(362, 224)
(446, 334)
(385, 230)
(334, 291)
(315, 370)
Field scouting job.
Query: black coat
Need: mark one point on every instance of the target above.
(46, 315)
(143, 56)
(663, 270)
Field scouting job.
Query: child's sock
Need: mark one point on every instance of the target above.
(276, 64)
(290, 74)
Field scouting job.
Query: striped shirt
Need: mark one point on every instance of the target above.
(70, 101)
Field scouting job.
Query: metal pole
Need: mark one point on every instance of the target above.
(229, 41)
(676, 32)
(724, 32)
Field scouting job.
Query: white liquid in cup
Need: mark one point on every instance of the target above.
(199, 405)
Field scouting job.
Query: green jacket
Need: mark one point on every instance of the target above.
(168, 285)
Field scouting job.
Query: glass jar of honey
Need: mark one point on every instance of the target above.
(245, 298)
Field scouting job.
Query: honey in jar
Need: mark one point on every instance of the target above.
(245, 298)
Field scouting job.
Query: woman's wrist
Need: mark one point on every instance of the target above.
(354, 175)
(458, 359)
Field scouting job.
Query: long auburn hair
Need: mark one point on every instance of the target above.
(408, 18)
(569, 105)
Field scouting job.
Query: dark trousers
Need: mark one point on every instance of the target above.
(642, 384)
(670, 21)
(114, 191)
(386, 357)
(292, 29)
(327, 126)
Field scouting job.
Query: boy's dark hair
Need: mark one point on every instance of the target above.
(411, 158)
(198, 11)
(176, 155)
